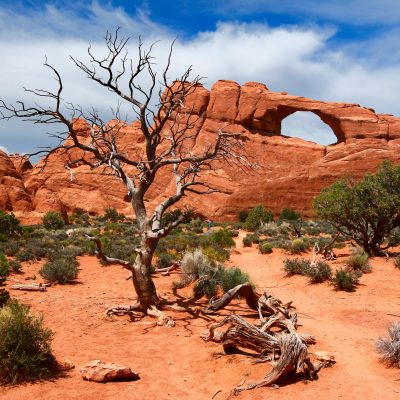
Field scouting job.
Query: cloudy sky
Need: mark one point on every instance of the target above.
(341, 50)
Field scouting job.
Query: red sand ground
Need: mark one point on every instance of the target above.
(176, 364)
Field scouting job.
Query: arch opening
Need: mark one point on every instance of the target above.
(307, 125)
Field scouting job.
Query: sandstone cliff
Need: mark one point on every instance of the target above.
(290, 171)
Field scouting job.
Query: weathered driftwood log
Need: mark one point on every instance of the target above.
(294, 357)
(244, 290)
(33, 287)
(242, 334)
(275, 338)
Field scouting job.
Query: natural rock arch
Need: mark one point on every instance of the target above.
(311, 124)
(290, 172)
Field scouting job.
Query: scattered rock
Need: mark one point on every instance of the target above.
(324, 356)
(99, 371)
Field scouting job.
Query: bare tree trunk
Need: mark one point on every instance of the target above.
(142, 280)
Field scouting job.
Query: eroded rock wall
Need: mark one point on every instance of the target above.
(289, 173)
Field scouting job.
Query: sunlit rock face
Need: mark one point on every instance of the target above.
(289, 171)
(13, 194)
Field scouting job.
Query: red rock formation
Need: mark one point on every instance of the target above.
(290, 171)
(13, 195)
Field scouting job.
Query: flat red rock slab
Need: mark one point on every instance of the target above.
(99, 371)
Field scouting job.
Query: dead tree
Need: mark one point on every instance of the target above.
(169, 133)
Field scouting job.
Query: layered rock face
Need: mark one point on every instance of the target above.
(13, 195)
(289, 172)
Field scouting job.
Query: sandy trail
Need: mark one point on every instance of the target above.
(177, 364)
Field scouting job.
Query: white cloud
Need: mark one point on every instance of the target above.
(295, 59)
(2, 148)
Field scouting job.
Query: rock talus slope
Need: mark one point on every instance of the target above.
(289, 173)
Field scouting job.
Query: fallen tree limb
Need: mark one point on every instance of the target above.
(293, 358)
(275, 338)
(33, 287)
(244, 290)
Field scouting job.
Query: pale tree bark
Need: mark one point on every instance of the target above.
(168, 130)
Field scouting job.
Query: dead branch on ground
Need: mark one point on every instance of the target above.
(274, 339)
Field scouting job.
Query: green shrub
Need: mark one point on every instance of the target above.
(228, 278)
(358, 260)
(257, 216)
(53, 220)
(281, 243)
(319, 273)
(221, 238)
(15, 266)
(171, 216)
(364, 209)
(288, 214)
(208, 275)
(234, 233)
(164, 260)
(196, 223)
(269, 228)
(296, 266)
(265, 248)
(207, 284)
(193, 265)
(25, 345)
(9, 225)
(397, 262)
(344, 280)
(38, 248)
(24, 255)
(80, 217)
(12, 247)
(247, 241)
(196, 267)
(215, 254)
(255, 238)
(210, 280)
(112, 215)
(243, 214)
(389, 347)
(298, 246)
(61, 270)
(4, 271)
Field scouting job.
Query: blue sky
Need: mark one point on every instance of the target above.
(337, 50)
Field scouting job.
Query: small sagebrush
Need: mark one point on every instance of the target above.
(164, 260)
(208, 276)
(359, 260)
(15, 266)
(296, 266)
(25, 345)
(345, 280)
(53, 220)
(247, 241)
(397, 262)
(4, 271)
(60, 270)
(389, 347)
(320, 272)
(194, 264)
(298, 246)
(265, 247)
(228, 278)
(317, 273)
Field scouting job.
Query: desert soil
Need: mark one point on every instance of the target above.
(175, 363)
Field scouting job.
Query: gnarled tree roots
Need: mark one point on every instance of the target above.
(274, 339)
(135, 311)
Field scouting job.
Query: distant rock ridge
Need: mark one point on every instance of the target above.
(290, 171)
